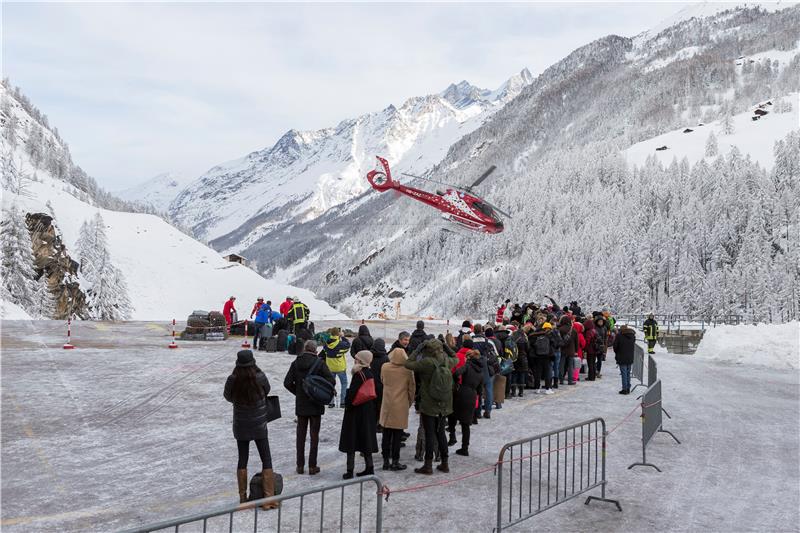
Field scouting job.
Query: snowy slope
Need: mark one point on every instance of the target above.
(700, 10)
(168, 274)
(306, 173)
(158, 191)
(755, 138)
(11, 311)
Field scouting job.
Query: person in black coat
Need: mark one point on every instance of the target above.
(363, 341)
(623, 350)
(309, 413)
(379, 358)
(247, 388)
(418, 336)
(469, 382)
(520, 374)
(359, 422)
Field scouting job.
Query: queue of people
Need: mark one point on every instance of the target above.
(451, 382)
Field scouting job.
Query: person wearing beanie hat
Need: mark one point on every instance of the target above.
(464, 332)
(309, 413)
(247, 388)
(359, 423)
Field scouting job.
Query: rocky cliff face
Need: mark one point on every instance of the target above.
(52, 260)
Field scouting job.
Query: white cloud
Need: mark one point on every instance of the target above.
(145, 88)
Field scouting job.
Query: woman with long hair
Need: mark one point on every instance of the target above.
(247, 388)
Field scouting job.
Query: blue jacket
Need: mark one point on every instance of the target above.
(263, 315)
(273, 316)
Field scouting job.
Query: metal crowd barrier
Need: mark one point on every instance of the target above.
(637, 369)
(276, 518)
(652, 377)
(549, 469)
(651, 421)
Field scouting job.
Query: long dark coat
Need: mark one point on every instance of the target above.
(359, 422)
(249, 421)
(364, 341)
(298, 370)
(471, 382)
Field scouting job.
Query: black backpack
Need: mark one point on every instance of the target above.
(542, 345)
(316, 387)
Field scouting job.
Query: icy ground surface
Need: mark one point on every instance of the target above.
(122, 431)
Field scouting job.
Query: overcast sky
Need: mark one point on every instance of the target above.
(140, 89)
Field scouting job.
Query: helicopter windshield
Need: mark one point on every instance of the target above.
(485, 209)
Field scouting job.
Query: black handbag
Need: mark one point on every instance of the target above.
(273, 408)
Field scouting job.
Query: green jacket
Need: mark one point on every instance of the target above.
(431, 355)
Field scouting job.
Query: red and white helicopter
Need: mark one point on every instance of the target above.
(457, 204)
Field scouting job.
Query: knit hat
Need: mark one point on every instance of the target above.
(363, 360)
(467, 343)
(245, 358)
(420, 324)
(379, 345)
(466, 324)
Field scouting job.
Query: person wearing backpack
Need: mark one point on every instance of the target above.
(359, 421)
(335, 352)
(520, 337)
(436, 399)
(247, 388)
(399, 388)
(542, 347)
(592, 349)
(308, 411)
(489, 355)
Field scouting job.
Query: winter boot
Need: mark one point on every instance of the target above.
(348, 475)
(521, 391)
(313, 470)
(268, 484)
(443, 466)
(241, 480)
(387, 464)
(452, 439)
(426, 468)
(368, 471)
(397, 467)
(463, 451)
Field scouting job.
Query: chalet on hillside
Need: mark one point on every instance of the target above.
(235, 258)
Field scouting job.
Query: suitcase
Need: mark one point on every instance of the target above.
(269, 344)
(283, 340)
(257, 489)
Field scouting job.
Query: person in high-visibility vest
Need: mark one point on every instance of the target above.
(298, 315)
(651, 333)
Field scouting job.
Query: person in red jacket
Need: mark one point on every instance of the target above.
(228, 309)
(581, 345)
(593, 347)
(286, 306)
(256, 306)
(501, 311)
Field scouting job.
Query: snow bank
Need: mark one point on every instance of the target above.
(11, 311)
(772, 345)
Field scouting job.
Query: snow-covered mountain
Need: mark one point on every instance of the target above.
(598, 213)
(306, 173)
(167, 273)
(157, 192)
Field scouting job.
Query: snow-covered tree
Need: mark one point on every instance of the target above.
(727, 125)
(16, 265)
(43, 302)
(712, 149)
(106, 290)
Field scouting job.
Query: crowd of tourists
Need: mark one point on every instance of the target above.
(452, 381)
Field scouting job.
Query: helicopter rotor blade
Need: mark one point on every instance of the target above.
(428, 179)
(483, 177)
